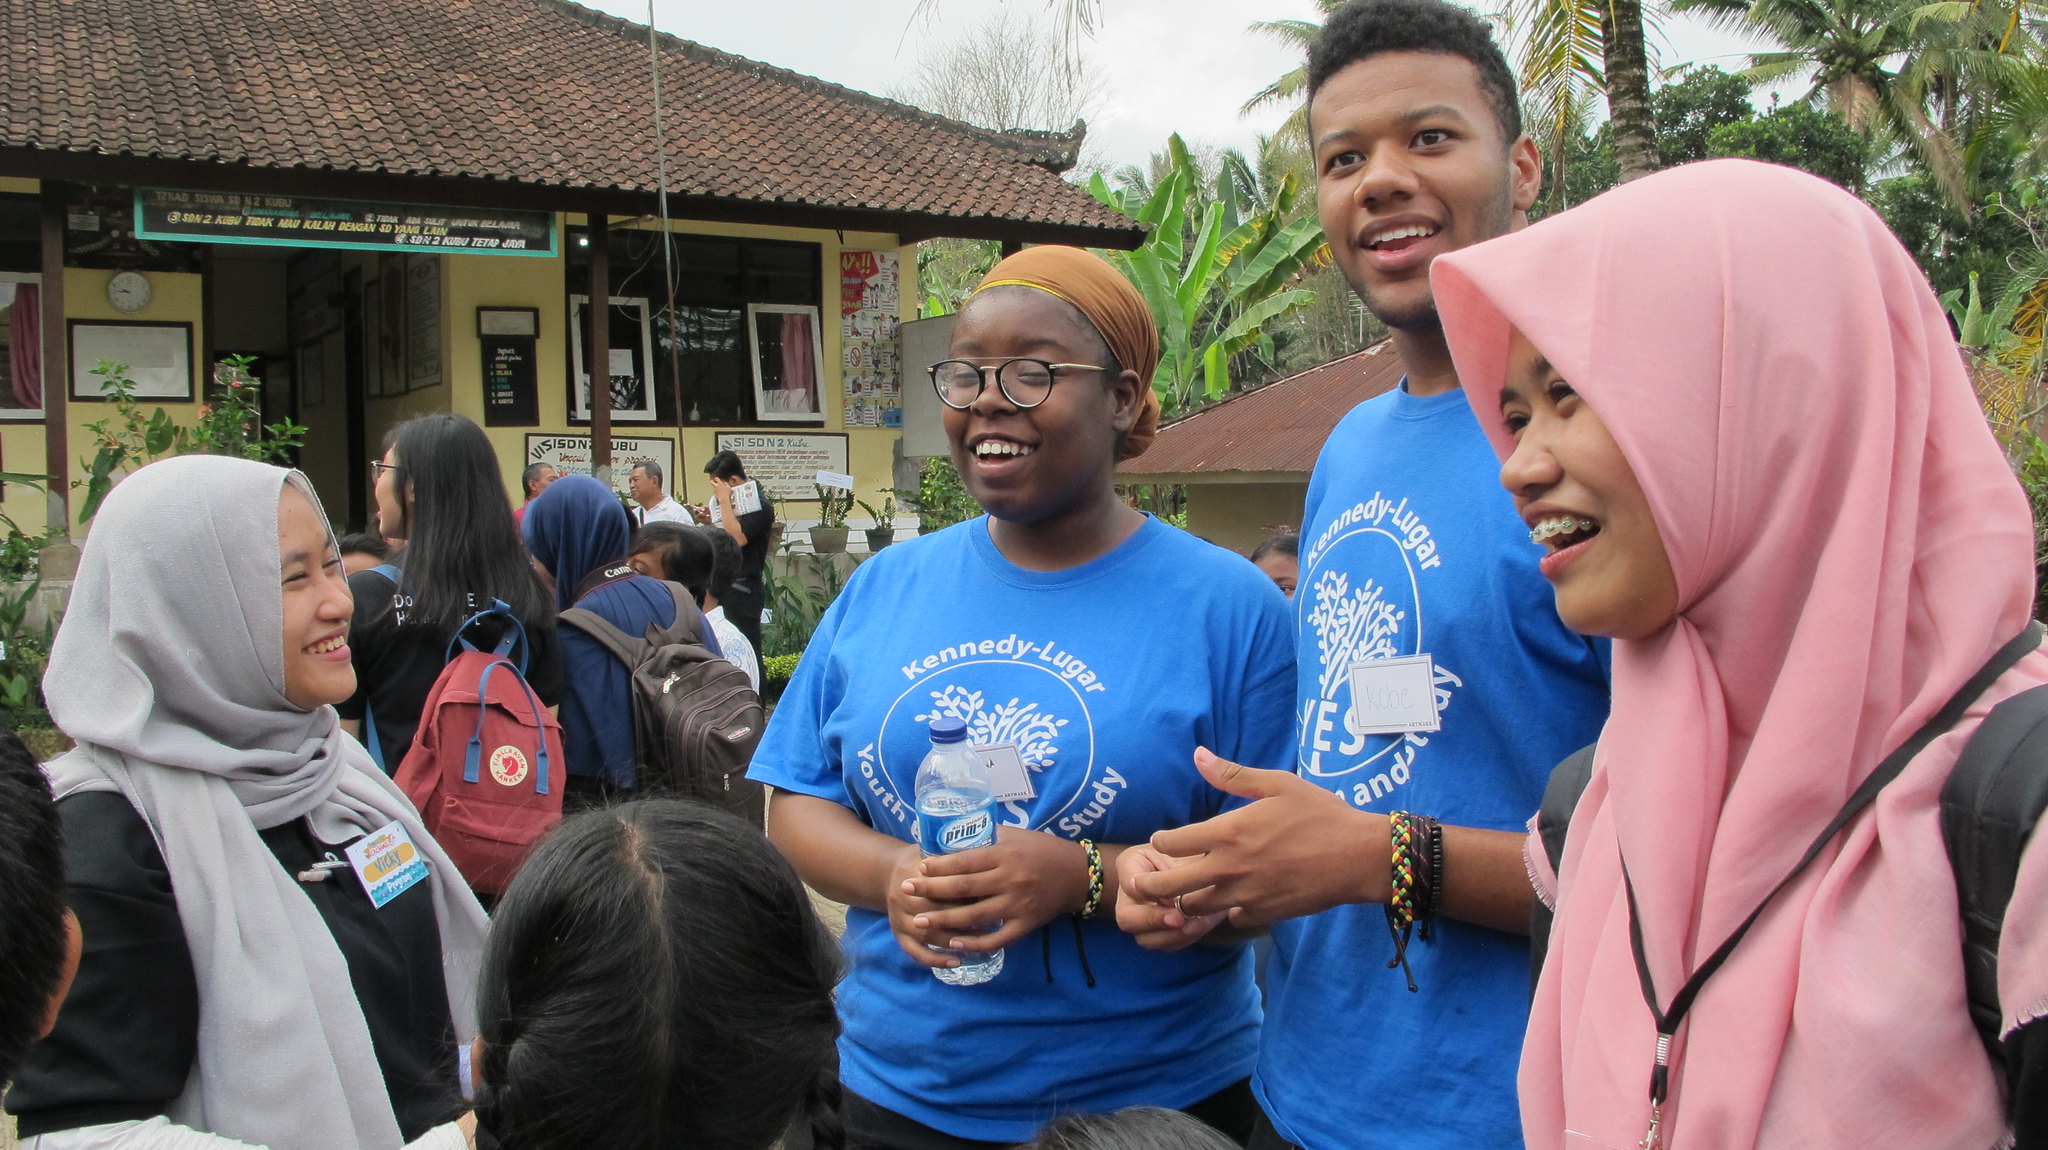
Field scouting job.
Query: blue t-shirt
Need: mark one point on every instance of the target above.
(1410, 546)
(1106, 677)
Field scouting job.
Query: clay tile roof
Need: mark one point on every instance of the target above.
(533, 92)
(1277, 428)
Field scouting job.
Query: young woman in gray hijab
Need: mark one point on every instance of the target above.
(240, 986)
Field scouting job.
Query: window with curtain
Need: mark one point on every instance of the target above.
(706, 341)
(21, 346)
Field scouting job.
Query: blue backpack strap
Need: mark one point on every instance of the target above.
(390, 572)
(514, 634)
(473, 755)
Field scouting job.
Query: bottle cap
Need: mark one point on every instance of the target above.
(949, 730)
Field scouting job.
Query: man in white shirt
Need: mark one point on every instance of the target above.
(655, 505)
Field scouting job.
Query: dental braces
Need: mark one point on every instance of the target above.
(1551, 528)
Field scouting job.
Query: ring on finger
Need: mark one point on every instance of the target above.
(1177, 905)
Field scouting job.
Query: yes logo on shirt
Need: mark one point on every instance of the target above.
(1361, 599)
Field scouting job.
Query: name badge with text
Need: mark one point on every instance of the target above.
(1006, 772)
(387, 862)
(1390, 696)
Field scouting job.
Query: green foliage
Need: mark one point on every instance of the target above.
(779, 668)
(885, 515)
(797, 598)
(1691, 107)
(230, 425)
(19, 554)
(2033, 473)
(941, 498)
(24, 654)
(833, 504)
(1799, 136)
(1215, 269)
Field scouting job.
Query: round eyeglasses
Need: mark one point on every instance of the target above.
(1024, 382)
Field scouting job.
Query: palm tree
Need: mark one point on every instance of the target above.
(1571, 47)
(1292, 87)
(1907, 71)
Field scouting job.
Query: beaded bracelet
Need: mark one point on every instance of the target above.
(1094, 902)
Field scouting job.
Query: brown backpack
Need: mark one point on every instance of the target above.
(696, 718)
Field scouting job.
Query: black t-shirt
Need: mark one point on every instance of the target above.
(396, 665)
(128, 1034)
(749, 590)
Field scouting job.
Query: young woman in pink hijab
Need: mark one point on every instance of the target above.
(1733, 415)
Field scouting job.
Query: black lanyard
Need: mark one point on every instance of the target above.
(1668, 1020)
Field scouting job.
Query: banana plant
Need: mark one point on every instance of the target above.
(1216, 273)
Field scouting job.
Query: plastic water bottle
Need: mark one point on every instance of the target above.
(956, 812)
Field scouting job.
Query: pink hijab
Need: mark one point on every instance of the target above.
(1849, 547)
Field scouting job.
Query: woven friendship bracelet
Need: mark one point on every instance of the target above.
(1094, 902)
(1402, 828)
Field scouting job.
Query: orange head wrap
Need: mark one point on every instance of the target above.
(1106, 299)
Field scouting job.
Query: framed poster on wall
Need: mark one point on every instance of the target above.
(422, 322)
(630, 364)
(787, 354)
(158, 356)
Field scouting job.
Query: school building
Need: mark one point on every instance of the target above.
(400, 207)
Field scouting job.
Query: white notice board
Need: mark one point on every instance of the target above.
(787, 464)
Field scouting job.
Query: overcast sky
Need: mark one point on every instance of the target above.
(1166, 65)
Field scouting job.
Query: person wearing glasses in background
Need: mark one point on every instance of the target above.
(441, 496)
(1030, 624)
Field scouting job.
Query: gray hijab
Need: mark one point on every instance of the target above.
(168, 670)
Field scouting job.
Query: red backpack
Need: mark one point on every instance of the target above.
(486, 768)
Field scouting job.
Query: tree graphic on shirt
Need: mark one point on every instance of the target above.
(1351, 625)
(1031, 729)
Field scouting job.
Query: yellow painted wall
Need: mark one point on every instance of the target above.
(1239, 515)
(469, 282)
(175, 297)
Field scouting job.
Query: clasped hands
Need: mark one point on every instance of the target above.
(1295, 849)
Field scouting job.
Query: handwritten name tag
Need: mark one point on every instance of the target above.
(1394, 695)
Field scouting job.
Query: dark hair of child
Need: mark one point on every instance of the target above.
(1367, 28)
(1284, 543)
(655, 978)
(682, 552)
(32, 897)
(362, 543)
(725, 561)
(1137, 1128)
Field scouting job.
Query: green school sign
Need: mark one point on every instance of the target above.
(362, 225)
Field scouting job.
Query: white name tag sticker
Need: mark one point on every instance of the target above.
(387, 862)
(1007, 772)
(1393, 695)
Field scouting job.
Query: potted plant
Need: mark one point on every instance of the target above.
(829, 535)
(883, 532)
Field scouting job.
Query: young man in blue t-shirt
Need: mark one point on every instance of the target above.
(1418, 583)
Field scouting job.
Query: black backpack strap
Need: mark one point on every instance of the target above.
(1553, 820)
(1989, 807)
(623, 647)
(684, 629)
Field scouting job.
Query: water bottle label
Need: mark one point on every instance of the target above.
(945, 836)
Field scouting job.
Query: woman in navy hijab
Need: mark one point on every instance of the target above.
(578, 531)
